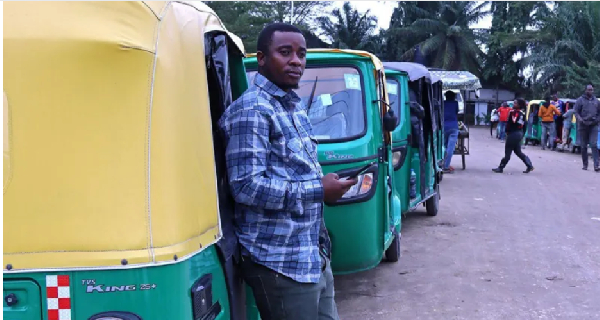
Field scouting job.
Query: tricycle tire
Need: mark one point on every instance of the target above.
(392, 254)
(432, 204)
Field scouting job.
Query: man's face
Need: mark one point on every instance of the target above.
(589, 91)
(285, 62)
(555, 97)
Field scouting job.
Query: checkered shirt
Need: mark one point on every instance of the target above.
(275, 178)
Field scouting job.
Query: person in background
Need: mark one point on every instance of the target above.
(515, 127)
(494, 122)
(450, 128)
(587, 112)
(503, 112)
(547, 113)
(278, 186)
(567, 125)
(558, 120)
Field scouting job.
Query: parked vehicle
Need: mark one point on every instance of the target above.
(113, 208)
(348, 112)
(415, 142)
(534, 124)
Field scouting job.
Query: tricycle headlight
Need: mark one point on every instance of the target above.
(396, 157)
(365, 182)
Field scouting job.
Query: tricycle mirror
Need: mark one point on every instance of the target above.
(390, 121)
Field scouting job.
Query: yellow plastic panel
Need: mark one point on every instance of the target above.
(77, 76)
(183, 188)
(110, 157)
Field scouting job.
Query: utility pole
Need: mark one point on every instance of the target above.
(292, 14)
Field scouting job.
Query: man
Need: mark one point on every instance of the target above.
(558, 120)
(494, 122)
(559, 104)
(567, 124)
(587, 113)
(503, 111)
(450, 128)
(547, 113)
(278, 186)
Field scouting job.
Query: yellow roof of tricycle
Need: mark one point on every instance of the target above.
(108, 150)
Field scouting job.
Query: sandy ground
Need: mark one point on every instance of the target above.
(504, 246)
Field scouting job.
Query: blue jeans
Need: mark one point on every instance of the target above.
(502, 129)
(451, 137)
(548, 128)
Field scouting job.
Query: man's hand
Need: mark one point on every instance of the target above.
(334, 188)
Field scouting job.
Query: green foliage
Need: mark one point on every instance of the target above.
(349, 29)
(441, 31)
(247, 18)
(558, 42)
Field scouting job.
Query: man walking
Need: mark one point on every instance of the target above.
(547, 113)
(278, 186)
(450, 128)
(587, 113)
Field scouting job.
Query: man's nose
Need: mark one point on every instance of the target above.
(296, 61)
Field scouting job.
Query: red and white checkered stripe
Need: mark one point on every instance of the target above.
(58, 294)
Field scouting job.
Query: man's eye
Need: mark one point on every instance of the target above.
(284, 52)
(301, 55)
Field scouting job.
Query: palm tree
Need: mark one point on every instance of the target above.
(350, 29)
(449, 41)
(565, 50)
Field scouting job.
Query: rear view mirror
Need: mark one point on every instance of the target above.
(390, 121)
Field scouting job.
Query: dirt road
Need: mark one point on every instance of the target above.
(504, 246)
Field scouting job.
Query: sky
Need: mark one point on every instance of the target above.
(383, 11)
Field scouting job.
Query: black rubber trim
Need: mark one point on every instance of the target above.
(363, 198)
(404, 150)
(346, 161)
(116, 314)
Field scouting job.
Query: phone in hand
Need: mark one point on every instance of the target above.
(361, 170)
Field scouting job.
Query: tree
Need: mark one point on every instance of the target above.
(501, 67)
(405, 14)
(247, 18)
(564, 48)
(449, 42)
(350, 29)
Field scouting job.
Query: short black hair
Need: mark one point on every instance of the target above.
(450, 95)
(266, 35)
(521, 103)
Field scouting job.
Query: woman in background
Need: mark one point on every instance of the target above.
(515, 127)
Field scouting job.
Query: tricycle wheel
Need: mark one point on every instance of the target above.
(392, 254)
(432, 204)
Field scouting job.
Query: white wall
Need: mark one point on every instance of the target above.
(490, 95)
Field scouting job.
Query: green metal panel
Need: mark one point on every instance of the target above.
(27, 297)
(153, 293)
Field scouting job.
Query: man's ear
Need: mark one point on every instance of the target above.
(260, 57)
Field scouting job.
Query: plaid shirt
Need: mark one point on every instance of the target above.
(275, 179)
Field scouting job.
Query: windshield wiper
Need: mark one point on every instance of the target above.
(312, 95)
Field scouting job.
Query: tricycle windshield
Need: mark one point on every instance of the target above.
(337, 112)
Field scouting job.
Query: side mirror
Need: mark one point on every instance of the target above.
(390, 121)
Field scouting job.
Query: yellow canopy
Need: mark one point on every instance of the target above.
(108, 150)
